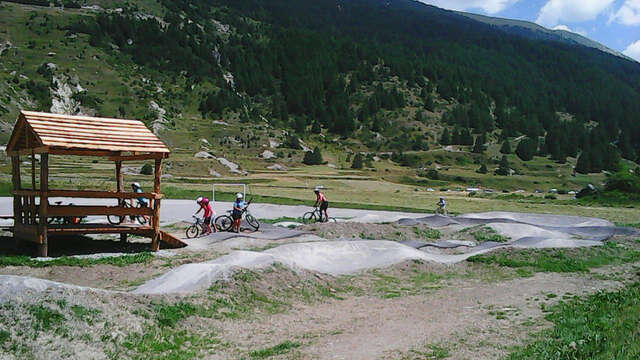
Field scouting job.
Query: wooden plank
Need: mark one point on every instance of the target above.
(44, 203)
(97, 136)
(47, 126)
(138, 157)
(35, 114)
(88, 194)
(67, 152)
(17, 185)
(36, 150)
(155, 242)
(49, 140)
(171, 240)
(27, 233)
(120, 189)
(89, 210)
(17, 134)
(99, 229)
(106, 147)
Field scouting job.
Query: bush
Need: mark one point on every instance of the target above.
(146, 169)
(292, 142)
(483, 169)
(358, 163)
(526, 149)
(624, 181)
(313, 157)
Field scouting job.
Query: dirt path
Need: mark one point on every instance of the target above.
(370, 327)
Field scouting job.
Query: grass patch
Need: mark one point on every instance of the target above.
(45, 318)
(166, 343)
(124, 260)
(4, 337)
(281, 219)
(427, 233)
(169, 315)
(84, 314)
(387, 286)
(561, 260)
(602, 326)
(488, 234)
(279, 349)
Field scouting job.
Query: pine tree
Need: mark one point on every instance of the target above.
(505, 167)
(358, 162)
(483, 169)
(313, 157)
(506, 147)
(446, 137)
(315, 128)
(583, 166)
(478, 147)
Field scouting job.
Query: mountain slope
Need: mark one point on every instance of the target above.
(535, 31)
(371, 75)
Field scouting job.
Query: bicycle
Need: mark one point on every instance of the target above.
(315, 216)
(64, 220)
(225, 222)
(117, 220)
(196, 228)
(441, 211)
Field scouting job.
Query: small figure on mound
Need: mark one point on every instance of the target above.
(207, 207)
(321, 201)
(236, 214)
(442, 207)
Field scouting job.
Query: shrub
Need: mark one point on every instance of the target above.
(313, 157)
(526, 149)
(358, 163)
(146, 169)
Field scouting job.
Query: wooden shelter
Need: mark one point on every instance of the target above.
(118, 140)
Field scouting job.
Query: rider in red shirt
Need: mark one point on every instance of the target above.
(205, 205)
(323, 202)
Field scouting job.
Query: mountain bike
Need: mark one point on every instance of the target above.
(441, 211)
(62, 220)
(225, 222)
(117, 220)
(315, 216)
(196, 228)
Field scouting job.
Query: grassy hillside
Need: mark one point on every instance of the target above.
(375, 103)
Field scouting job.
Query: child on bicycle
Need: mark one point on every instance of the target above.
(205, 205)
(442, 206)
(236, 214)
(142, 202)
(322, 201)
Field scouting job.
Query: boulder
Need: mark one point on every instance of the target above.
(587, 191)
(277, 167)
(204, 155)
(268, 155)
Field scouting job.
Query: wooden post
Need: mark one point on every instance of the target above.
(155, 242)
(120, 188)
(17, 200)
(33, 187)
(43, 248)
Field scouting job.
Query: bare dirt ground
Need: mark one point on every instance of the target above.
(412, 310)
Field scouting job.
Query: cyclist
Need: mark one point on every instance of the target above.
(205, 205)
(142, 202)
(236, 214)
(442, 206)
(321, 200)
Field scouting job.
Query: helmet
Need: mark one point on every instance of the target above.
(199, 199)
(317, 189)
(135, 184)
(441, 198)
(205, 201)
(239, 196)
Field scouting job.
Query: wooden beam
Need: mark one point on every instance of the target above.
(27, 233)
(99, 229)
(120, 189)
(155, 242)
(36, 150)
(88, 194)
(91, 210)
(138, 157)
(69, 152)
(44, 203)
(17, 185)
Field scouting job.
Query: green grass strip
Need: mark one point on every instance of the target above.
(123, 260)
(602, 326)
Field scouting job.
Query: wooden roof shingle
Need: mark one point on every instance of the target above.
(45, 132)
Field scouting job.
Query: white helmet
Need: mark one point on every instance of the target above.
(199, 200)
(136, 184)
(239, 196)
(317, 188)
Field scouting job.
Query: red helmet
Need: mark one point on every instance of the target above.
(205, 201)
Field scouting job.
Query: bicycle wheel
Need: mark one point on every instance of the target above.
(141, 220)
(309, 217)
(253, 222)
(193, 231)
(115, 220)
(224, 222)
(332, 220)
